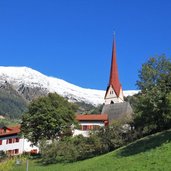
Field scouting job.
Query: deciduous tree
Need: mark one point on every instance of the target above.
(152, 109)
(47, 118)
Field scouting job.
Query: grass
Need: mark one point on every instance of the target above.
(8, 164)
(152, 153)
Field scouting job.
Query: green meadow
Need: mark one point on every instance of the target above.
(152, 153)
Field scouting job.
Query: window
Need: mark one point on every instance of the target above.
(10, 152)
(112, 102)
(96, 127)
(10, 140)
(91, 127)
(84, 127)
(17, 140)
(16, 151)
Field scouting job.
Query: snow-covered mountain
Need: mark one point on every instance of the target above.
(25, 79)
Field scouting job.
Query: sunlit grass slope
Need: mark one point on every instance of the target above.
(152, 153)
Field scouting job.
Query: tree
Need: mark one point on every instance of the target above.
(152, 109)
(47, 118)
(97, 110)
(116, 134)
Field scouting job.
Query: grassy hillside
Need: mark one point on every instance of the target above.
(147, 154)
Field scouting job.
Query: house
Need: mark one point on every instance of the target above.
(13, 143)
(92, 121)
(89, 122)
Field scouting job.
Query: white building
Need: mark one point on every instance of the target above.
(89, 122)
(13, 143)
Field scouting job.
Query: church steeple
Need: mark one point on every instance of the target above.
(114, 92)
(114, 78)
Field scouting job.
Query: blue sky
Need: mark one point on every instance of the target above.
(72, 39)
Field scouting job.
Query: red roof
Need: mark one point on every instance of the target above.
(9, 130)
(92, 117)
(114, 78)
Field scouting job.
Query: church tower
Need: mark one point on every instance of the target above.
(114, 93)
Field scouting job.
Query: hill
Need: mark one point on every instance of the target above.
(147, 154)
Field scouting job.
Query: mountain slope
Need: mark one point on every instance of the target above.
(31, 83)
(147, 154)
(12, 104)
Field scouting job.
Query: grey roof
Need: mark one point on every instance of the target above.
(117, 110)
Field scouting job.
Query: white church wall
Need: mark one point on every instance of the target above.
(111, 96)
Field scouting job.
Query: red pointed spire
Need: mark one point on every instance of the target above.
(114, 78)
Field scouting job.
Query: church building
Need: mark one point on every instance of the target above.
(114, 108)
(114, 104)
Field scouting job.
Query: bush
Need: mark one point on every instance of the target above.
(2, 155)
(71, 149)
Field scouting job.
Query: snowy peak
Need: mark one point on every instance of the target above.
(24, 78)
(27, 76)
